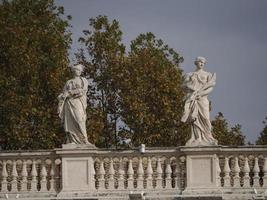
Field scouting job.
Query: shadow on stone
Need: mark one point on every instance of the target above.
(137, 196)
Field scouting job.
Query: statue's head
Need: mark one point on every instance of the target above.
(77, 69)
(200, 62)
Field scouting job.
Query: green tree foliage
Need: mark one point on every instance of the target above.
(140, 92)
(151, 93)
(103, 56)
(262, 139)
(227, 135)
(34, 44)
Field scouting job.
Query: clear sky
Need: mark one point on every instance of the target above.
(231, 34)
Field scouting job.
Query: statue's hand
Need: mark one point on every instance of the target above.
(73, 92)
(76, 93)
(64, 95)
(194, 95)
(197, 97)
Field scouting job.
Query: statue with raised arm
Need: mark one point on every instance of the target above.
(72, 107)
(197, 110)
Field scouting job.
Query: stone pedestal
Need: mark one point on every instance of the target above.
(77, 170)
(77, 174)
(201, 171)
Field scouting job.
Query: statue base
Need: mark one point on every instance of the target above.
(202, 174)
(78, 146)
(201, 143)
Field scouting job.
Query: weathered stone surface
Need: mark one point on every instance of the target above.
(137, 196)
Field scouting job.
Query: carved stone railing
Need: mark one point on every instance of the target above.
(162, 173)
(235, 171)
(129, 170)
(122, 173)
(29, 173)
(243, 168)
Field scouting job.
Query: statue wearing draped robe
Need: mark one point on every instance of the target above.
(196, 110)
(72, 107)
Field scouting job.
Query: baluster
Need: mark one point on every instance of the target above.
(121, 176)
(101, 175)
(4, 177)
(226, 173)
(111, 172)
(57, 174)
(168, 172)
(256, 171)
(52, 175)
(93, 175)
(159, 174)
(265, 173)
(236, 173)
(130, 174)
(14, 182)
(178, 174)
(24, 175)
(246, 171)
(140, 174)
(43, 181)
(34, 177)
(218, 170)
(149, 172)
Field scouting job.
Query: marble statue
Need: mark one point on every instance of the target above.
(196, 109)
(72, 107)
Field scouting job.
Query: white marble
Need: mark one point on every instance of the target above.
(197, 110)
(72, 107)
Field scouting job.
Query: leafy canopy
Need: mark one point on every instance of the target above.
(103, 55)
(152, 93)
(137, 94)
(34, 44)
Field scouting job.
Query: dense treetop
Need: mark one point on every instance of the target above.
(34, 44)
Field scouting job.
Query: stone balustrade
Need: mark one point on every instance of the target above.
(30, 172)
(130, 170)
(163, 173)
(242, 168)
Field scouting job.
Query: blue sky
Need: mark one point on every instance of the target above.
(231, 34)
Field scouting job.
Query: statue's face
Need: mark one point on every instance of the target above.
(76, 72)
(200, 64)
